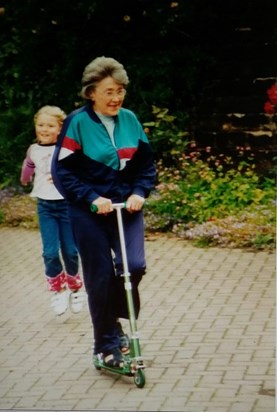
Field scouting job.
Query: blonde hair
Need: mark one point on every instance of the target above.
(100, 68)
(54, 111)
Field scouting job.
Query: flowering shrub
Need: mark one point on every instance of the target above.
(214, 199)
(271, 104)
(206, 197)
(253, 228)
(202, 189)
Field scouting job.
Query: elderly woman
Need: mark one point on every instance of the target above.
(103, 156)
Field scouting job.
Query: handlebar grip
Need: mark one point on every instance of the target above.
(93, 208)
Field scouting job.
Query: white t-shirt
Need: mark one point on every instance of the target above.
(43, 187)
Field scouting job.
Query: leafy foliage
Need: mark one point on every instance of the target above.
(16, 131)
(199, 190)
(170, 50)
(166, 135)
(253, 228)
(46, 47)
(208, 197)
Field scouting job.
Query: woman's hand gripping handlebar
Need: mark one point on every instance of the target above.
(94, 208)
(104, 206)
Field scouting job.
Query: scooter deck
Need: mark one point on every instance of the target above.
(132, 367)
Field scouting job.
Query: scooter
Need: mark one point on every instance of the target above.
(133, 362)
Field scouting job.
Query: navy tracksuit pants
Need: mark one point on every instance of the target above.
(99, 248)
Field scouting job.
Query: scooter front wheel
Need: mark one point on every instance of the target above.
(139, 378)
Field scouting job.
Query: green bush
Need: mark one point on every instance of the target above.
(16, 133)
(214, 202)
(167, 137)
(208, 197)
(199, 190)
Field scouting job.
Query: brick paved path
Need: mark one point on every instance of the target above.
(207, 330)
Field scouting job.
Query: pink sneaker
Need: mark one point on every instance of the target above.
(74, 282)
(57, 283)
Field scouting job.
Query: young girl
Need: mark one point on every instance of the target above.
(55, 228)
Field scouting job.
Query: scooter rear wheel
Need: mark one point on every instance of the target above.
(139, 378)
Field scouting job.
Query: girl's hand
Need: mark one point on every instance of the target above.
(134, 203)
(104, 205)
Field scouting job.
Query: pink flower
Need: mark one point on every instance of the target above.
(269, 108)
(272, 94)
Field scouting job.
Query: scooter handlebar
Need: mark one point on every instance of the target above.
(94, 208)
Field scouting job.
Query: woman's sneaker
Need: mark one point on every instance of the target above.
(76, 300)
(124, 340)
(114, 359)
(59, 302)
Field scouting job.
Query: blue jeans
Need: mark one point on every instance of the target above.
(57, 235)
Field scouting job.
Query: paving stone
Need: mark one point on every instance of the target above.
(207, 330)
